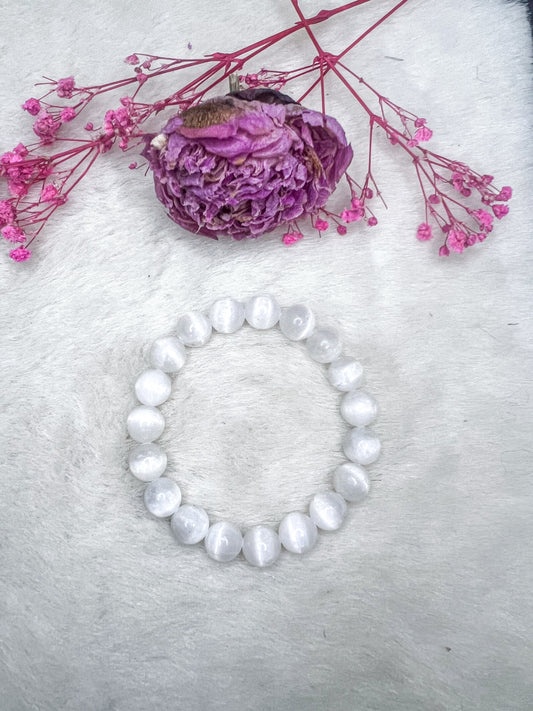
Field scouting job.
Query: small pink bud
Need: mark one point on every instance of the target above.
(444, 251)
(321, 225)
(292, 237)
(506, 193)
(20, 254)
(500, 210)
(132, 59)
(424, 232)
(341, 229)
(372, 221)
(434, 199)
(32, 106)
(65, 87)
(89, 126)
(420, 122)
(423, 134)
(67, 114)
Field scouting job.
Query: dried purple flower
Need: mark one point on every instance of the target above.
(243, 164)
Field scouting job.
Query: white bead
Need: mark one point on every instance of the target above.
(153, 387)
(324, 345)
(361, 446)
(358, 408)
(193, 329)
(145, 423)
(327, 510)
(167, 354)
(223, 541)
(226, 315)
(297, 532)
(297, 322)
(162, 497)
(262, 311)
(189, 524)
(261, 546)
(147, 461)
(345, 373)
(351, 481)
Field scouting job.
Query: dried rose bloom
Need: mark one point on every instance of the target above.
(243, 164)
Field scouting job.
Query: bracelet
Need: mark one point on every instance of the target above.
(297, 532)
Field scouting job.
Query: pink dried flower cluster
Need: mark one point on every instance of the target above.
(459, 203)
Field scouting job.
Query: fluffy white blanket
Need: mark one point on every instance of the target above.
(422, 599)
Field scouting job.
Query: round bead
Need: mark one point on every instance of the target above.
(351, 482)
(145, 423)
(194, 329)
(147, 461)
(327, 510)
(358, 408)
(153, 387)
(261, 546)
(262, 311)
(167, 354)
(324, 345)
(297, 322)
(297, 532)
(345, 373)
(226, 315)
(361, 446)
(189, 524)
(223, 541)
(162, 497)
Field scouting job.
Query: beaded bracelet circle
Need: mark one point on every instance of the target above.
(297, 532)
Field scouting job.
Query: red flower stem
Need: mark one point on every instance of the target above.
(354, 43)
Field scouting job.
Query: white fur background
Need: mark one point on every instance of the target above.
(423, 599)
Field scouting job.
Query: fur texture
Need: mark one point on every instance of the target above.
(422, 599)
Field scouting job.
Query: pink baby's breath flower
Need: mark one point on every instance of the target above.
(20, 254)
(456, 240)
(444, 251)
(372, 221)
(420, 122)
(7, 213)
(132, 59)
(67, 114)
(412, 143)
(423, 134)
(424, 232)
(16, 189)
(49, 193)
(484, 218)
(292, 237)
(13, 233)
(321, 225)
(45, 126)
(481, 236)
(352, 215)
(21, 150)
(65, 87)
(368, 193)
(434, 199)
(356, 203)
(457, 181)
(506, 193)
(500, 210)
(89, 126)
(32, 106)
(341, 229)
